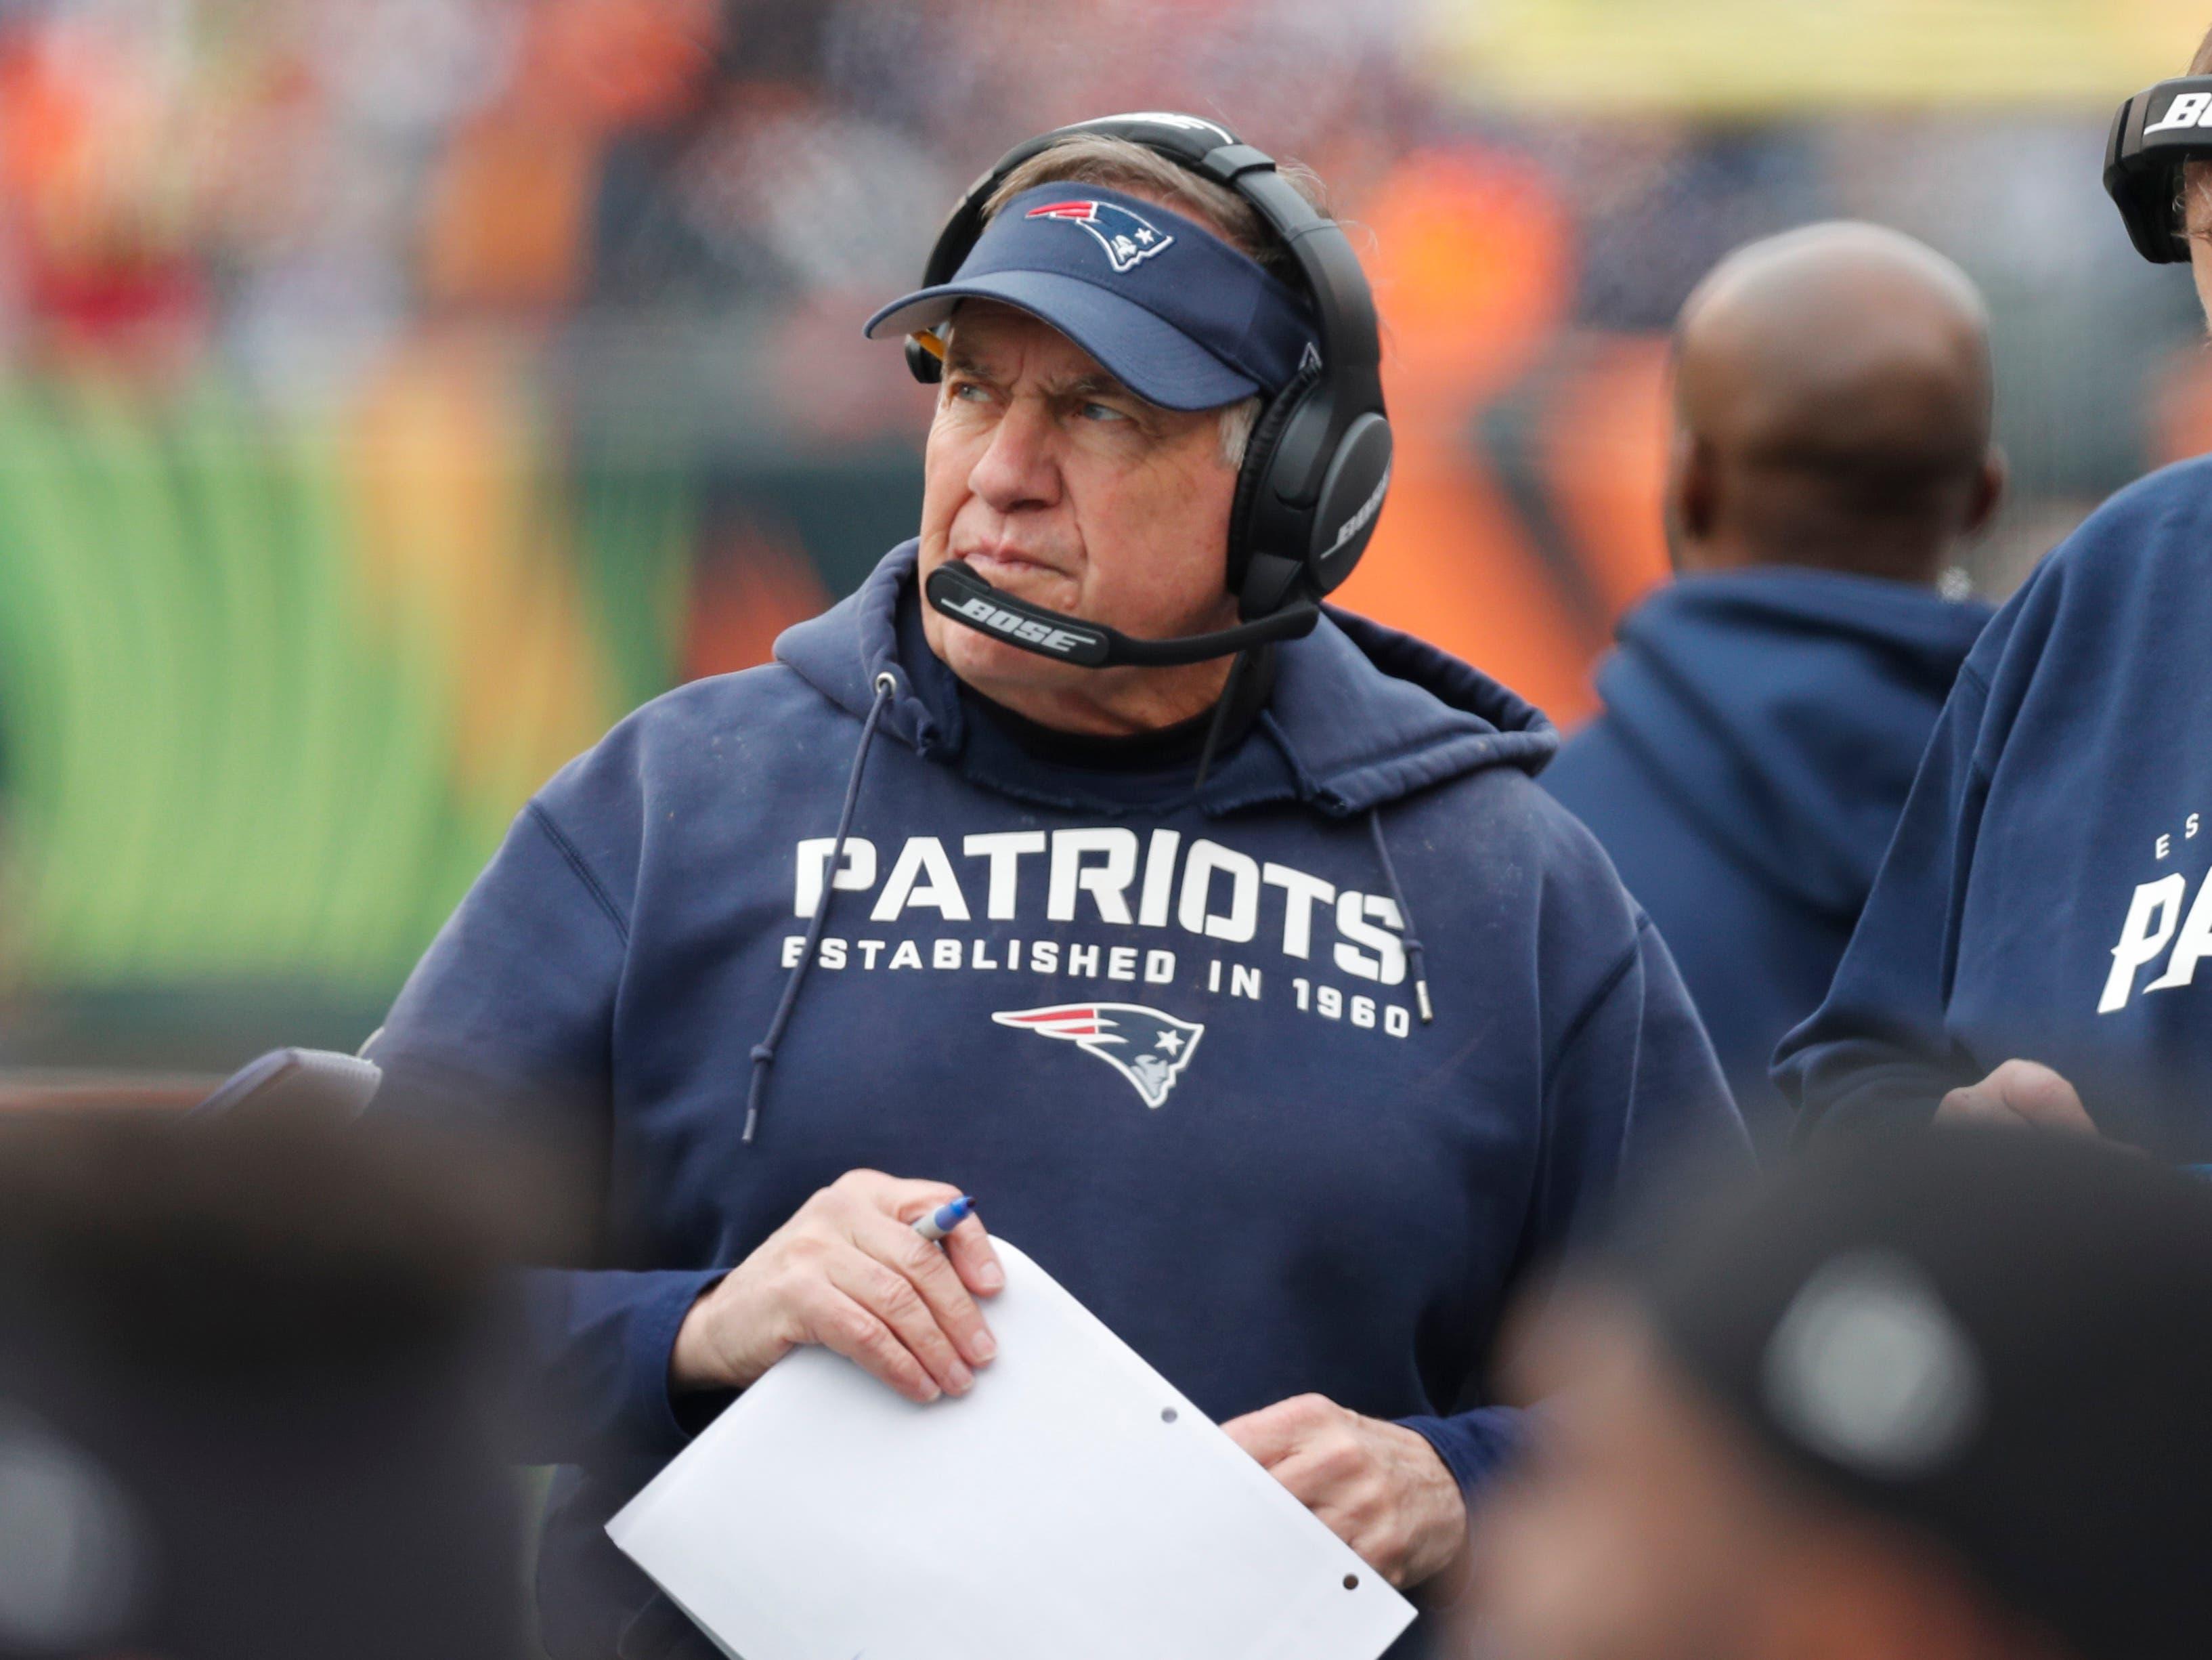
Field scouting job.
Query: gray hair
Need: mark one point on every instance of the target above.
(1097, 158)
(1237, 420)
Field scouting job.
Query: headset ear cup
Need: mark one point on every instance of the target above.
(925, 365)
(1259, 462)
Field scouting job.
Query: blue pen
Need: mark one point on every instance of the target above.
(933, 1226)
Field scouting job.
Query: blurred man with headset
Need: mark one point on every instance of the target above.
(2032, 949)
(1075, 862)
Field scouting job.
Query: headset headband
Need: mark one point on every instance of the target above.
(1330, 270)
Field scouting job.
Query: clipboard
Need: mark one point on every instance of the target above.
(1073, 1505)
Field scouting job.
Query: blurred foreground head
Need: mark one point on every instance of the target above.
(1943, 1399)
(242, 1387)
(1832, 402)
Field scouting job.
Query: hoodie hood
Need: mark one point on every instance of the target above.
(1784, 711)
(1360, 715)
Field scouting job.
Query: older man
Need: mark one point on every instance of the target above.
(1128, 951)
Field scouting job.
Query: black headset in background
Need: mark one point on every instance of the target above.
(2155, 132)
(1318, 463)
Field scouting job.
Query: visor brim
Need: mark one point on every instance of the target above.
(1153, 358)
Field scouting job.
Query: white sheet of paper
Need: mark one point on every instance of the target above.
(1071, 1505)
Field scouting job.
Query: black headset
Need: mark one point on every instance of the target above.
(2154, 132)
(1318, 462)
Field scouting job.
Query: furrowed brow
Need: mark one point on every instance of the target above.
(1100, 386)
(960, 361)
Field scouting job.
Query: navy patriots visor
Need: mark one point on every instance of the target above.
(1170, 309)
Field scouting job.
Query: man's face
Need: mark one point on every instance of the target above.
(2197, 216)
(1063, 487)
(1636, 1529)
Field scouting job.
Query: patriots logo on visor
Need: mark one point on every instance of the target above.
(1147, 1048)
(1126, 237)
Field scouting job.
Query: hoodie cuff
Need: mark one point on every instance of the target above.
(669, 1418)
(1472, 1446)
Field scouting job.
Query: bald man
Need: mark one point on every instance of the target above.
(1764, 713)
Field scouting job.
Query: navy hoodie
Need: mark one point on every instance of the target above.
(1083, 996)
(1761, 728)
(2045, 895)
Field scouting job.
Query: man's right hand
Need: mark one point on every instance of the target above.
(849, 1271)
(2019, 1092)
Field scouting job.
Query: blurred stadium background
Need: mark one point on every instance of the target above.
(393, 392)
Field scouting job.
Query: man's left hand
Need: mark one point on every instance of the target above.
(2019, 1092)
(1380, 1488)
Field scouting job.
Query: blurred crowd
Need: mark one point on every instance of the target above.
(294, 187)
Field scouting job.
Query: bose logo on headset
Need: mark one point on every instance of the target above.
(981, 611)
(2191, 109)
(1360, 521)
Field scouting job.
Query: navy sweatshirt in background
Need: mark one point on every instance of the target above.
(1761, 728)
(1083, 996)
(2045, 896)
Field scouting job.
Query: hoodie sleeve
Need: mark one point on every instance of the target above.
(1877, 1052)
(506, 1023)
(1474, 1446)
(1634, 1094)
(1471, 1444)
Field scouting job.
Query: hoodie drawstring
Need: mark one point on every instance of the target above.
(764, 1051)
(1219, 724)
(1414, 955)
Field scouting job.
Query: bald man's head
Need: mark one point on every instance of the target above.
(1832, 408)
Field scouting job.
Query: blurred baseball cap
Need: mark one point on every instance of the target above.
(1174, 313)
(2001, 1339)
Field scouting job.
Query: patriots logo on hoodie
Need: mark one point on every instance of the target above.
(1147, 1048)
(1126, 237)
